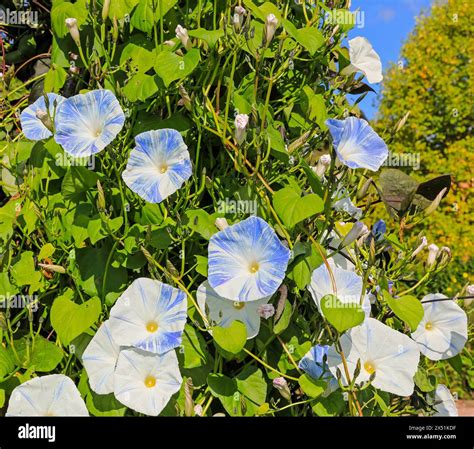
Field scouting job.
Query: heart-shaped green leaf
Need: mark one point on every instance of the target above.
(232, 338)
(341, 315)
(408, 308)
(292, 208)
(170, 67)
(312, 388)
(70, 320)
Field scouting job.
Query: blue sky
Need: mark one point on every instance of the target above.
(387, 23)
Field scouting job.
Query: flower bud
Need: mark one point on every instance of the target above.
(221, 223)
(52, 268)
(183, 36)
(115, 30)
(432, 254)
(421, 247)
(364, 189)
(469, 292)
(198, 410)
(185, 99)
(444, 256)
(271, 23)
(356, 231)
(266, 311)
(239, 14)
(71, 24)
(45, 119)
(101, 206)
(281, 385)
(241, 122)
(105, 10)
(323, 163)
(434, 205)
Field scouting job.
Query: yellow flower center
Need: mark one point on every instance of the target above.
(150, 381)
(369, 367)
(152, 326)
(163, 168)
(429, 326)
(239, 305)
(254, 267)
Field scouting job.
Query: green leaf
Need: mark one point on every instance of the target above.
(201, 222)
(193, 348)
(140, 87)
(6, 362)
(55, 79)
(46, 251)
(24, 273)
(456, 363)
(6, 288)
(144, 18)
(210, 37)
(284, 320)
(170, 66)
(251, 383)
(61, 11)
(7, 218)
(333, 405)
(341, 315)
(424, 381)
(140, 59)
(315, 107)
(397, 191)
(201, 265)
(41, 355)
(77, 181)
(2, 398)
(262, 11)
(292, 208)
(225, 389)
(309, 37)
(120, 8)
(306, 261)
(311, 387)
(231, 339)
(408, 308)
(104, 405)
(70, 319)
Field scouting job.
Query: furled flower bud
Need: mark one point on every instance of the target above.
(323, 163)
(271, 23)
(444, 256)
(71, 24)
(469, 292)
(356, 231)
(241, 122)
(115, 30)
(198, 410)
(239, 14)
(185, 99)
(432, 254)
(221, 223)
(434, 205)
(105, 10)
(364, 189)
(45, 119)
(421, 247)
(183, 36)
(52, 268)
(281, 385)
(266, 311)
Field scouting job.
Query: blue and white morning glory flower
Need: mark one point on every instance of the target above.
(158, 166)
(315, 365)
(442, 332)
(247, 261)
(33, 126)
(223, 312)
(444, 403)
(145, 382)
(357, 145)
(391, 355)
(99, 360)
(346, 285)
(365, 59)
(87, 123)
(54, 395)
(149, 315)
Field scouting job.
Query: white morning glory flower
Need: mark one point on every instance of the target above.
(99, 360)
(53, 395)
(365, 59)
(346, 285)
(444, 403)
(357, 145)
(223, 312)
(315, 366)
(32, 125)
(149, 315)
(87, 123)
(347, 206)
(145, 382)
(247, 261)
(158, 166)
(391, 355)
(442, 332)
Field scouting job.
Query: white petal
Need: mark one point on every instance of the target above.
(53, 395)
(99, 360)
(364, 58)
(444, 402)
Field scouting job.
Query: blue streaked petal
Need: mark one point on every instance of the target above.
(32, 126)
(237, 250)
(158, 166)
(87, 123)
(357, 145)
(148, 301)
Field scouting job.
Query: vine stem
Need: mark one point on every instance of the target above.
(266, 365)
